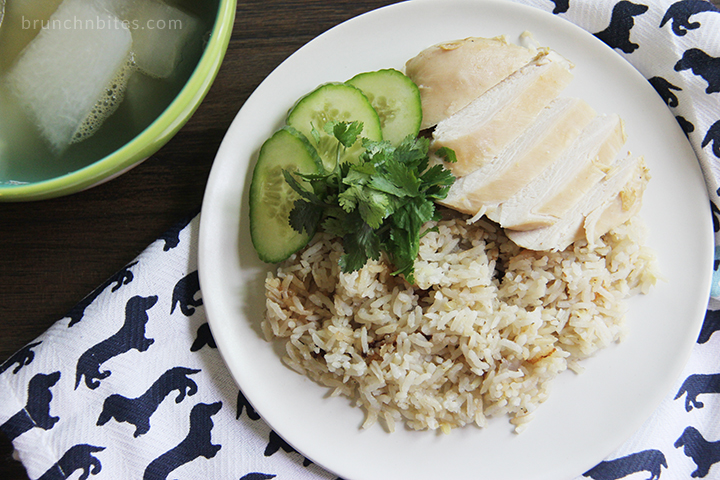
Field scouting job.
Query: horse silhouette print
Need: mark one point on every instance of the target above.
(617, 33)
(37, 408)
(680, 12)
(197, 443)
(702, 65)
(78, 457)
(705, 454)
(130, 336)
(137, 411)
(650, 461)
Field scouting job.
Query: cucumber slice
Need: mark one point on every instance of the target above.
(396, 99)
(272, 199)
(334, 102)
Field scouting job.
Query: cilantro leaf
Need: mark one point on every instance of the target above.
(299, 189)
(305, 216)
(437, 182)
(345, 133)
(336, 225)
(360, 245)
(414, 153)
(378, 204)
(373, 206)
(402, 176)
(447, 154)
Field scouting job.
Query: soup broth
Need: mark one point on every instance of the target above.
(26, 155)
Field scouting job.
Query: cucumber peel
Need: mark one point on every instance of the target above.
(396, 99)
(349, 161)
(272, 199)
(338, 102)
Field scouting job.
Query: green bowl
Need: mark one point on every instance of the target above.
(152, 138)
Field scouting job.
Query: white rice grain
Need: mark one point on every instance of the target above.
(483, 332)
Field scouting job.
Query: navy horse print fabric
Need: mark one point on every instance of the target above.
(130, 385)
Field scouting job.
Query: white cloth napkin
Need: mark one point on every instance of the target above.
(130, 385)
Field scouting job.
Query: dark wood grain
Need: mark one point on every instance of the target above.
(54, 252)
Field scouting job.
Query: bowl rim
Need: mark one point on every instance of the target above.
(153, 137)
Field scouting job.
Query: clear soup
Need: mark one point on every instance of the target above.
(26, 155)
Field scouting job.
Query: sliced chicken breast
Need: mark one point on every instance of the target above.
(608, 204)
(452, 74)
(486, 126)
(539, 146)
(619, 208)
(560, 186)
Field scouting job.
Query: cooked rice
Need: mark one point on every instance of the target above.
(485, 329)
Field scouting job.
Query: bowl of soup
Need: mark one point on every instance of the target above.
(91, 88)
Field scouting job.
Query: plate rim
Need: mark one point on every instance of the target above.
(206, 227)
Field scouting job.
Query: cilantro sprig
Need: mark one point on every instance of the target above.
(378, 204)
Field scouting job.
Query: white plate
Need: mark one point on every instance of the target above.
(588, 415)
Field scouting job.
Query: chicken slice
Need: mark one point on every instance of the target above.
(552, 132)
(611, 202)
(486, 126)
(560, 186)
(619, 208)
(452, 74)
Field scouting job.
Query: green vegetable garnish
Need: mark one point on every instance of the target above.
(379, 203)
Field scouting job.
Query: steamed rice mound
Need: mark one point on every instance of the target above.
(485, 329)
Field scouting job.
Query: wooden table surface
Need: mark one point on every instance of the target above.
(54, 252)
